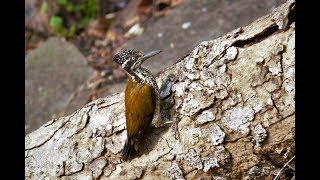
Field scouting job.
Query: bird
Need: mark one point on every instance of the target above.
(142, 98)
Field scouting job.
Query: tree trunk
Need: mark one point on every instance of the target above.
(233, 101)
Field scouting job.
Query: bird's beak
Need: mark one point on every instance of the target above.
(150, 54)
(146, 56)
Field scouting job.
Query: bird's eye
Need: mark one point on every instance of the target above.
(133, 58)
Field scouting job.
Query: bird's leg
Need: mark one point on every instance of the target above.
(167, 102)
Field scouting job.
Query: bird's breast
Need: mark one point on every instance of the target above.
(139, 106)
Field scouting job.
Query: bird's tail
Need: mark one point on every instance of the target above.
(126, 151)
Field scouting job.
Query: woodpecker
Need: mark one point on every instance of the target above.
(142, 97)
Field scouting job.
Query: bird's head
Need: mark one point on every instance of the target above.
(131, 60)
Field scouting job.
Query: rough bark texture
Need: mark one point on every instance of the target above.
(233, 99)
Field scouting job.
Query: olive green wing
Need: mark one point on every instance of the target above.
(139, 109)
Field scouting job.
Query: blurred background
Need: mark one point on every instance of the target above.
(69, 44)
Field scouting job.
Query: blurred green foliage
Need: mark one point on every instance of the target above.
(56, 23)
(44, 7)
(78, 14)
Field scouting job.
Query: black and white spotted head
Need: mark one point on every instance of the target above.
(130, 59)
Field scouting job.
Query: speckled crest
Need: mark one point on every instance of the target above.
(121, 57)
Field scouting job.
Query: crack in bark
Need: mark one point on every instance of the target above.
(102, 168)
(281, 65)
(64, 169)
(72, 173)
(272, 29)
(235, 139)
(204, 109)
(101, 107)
(143, 171)
(181, 59)
(30, 156)
(87, 122)
(49, 123)
(260, 85)
(97, 102)
(159, 157)
(101, 153)
(116, 132)
(292, 13)
(38, 145)
(114, 168)
(62, 125)
(292, 114)
(102, 171)
(275, 106)
(232, 106)
(168, 144)
(186, 173)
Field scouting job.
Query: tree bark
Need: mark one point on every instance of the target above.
(233, 101)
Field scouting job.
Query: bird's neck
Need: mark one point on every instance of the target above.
(142, 75)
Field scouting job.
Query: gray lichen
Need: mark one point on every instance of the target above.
(217, 135)
(209, 163)
(259, 134)
(175, 172)
(276, 70)
(193, 159)
(238, 118)
(206, 116)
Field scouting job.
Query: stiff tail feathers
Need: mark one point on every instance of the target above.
(127, 150)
